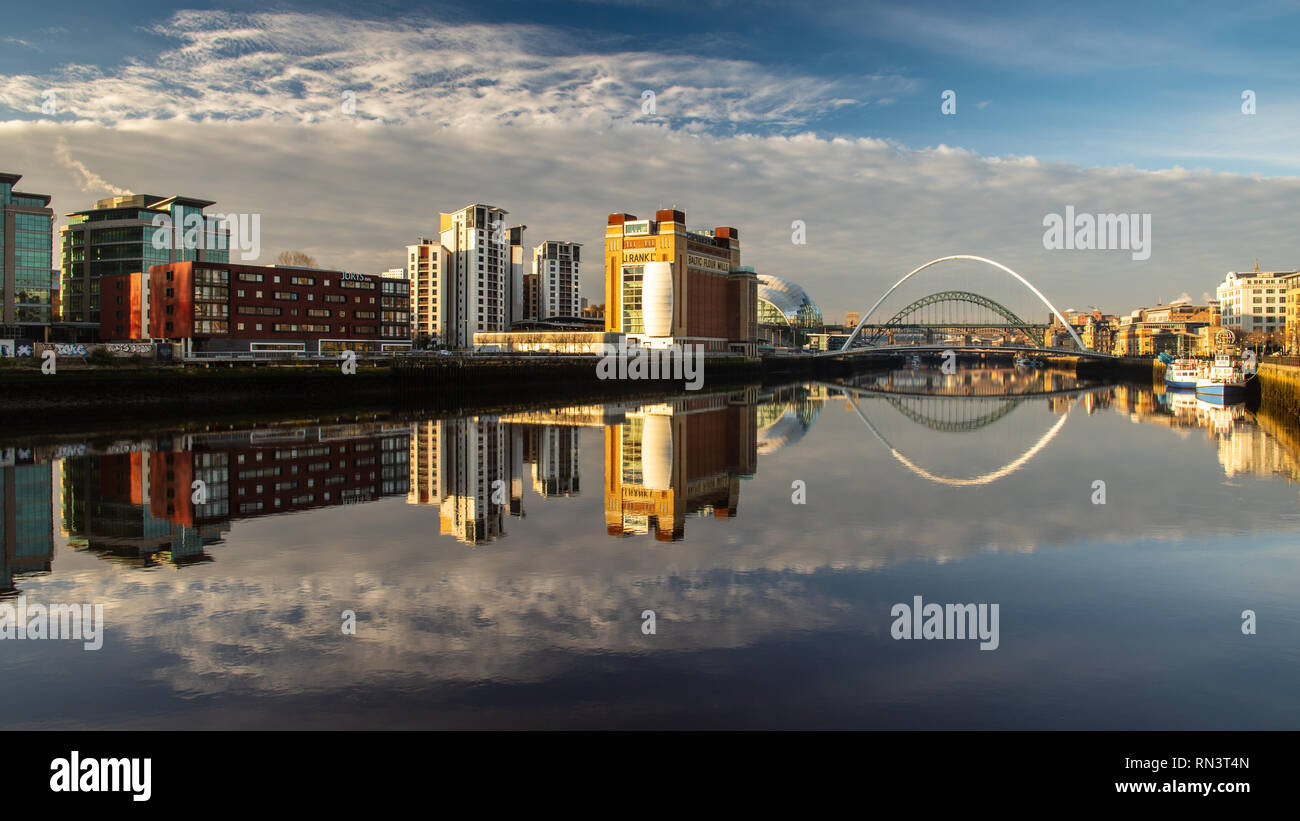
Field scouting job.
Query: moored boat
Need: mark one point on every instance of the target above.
(1181, 374)
(1223, 383)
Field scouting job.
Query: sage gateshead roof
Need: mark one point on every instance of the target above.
(782, 302)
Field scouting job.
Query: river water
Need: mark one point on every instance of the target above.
(716, 560)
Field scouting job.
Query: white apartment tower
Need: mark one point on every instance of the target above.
(427, 264)
(478, 245)
(555, 268)
(463, 467)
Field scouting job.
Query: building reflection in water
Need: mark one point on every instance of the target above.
(167, 501)
(26, 517)
(683, 456)
(785, 415)
(135, 502)
(114, 505)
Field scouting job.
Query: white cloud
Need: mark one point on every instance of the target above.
(20, 42)
(296, 67)
(246, 111)
(355, 195)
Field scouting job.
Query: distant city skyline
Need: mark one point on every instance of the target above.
(350, 128)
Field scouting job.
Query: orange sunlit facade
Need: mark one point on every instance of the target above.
(121, 300)
(686, 456)
(714, 300)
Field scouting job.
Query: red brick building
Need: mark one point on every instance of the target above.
(121, 297)
(226, 307)
(268, 472)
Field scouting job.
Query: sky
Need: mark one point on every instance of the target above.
(764, 114)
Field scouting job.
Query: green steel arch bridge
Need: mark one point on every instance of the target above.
(930, 322)
(942, 313)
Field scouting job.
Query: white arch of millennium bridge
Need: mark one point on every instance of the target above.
(987, 478)
(998, 265)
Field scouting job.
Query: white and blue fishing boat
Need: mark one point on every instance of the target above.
(1223, 383)
(1181, 374)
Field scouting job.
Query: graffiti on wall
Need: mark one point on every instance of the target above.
(130, 348)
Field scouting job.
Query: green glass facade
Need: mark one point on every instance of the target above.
(633, 314)
(119, 236)
(26, 521)
(26, 235)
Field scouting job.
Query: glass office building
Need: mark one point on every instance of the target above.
(26, 235)
(117, 237)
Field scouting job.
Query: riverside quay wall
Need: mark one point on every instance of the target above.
(154, 395)
(1279, 388)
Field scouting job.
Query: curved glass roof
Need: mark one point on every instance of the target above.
(789, 300)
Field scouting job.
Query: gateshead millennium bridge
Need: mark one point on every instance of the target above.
(931, 322)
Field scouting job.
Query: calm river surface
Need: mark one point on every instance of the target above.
(500, 568)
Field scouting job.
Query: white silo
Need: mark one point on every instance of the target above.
(657, 452)
(657, 298)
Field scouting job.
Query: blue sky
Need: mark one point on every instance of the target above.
(1112, 83)
(1121, 107)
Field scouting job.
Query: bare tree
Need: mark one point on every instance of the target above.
(296, 258)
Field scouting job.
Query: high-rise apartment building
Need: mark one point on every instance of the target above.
(428, 267)
(120, 235)
(555, 272)
(26, 236)
(478, 274)
(529, 311)
(517, 309)
(667, 285)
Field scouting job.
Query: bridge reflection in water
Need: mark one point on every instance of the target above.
(131, 501)
(500, 564)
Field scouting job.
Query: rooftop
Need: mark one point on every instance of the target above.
(150, 202)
